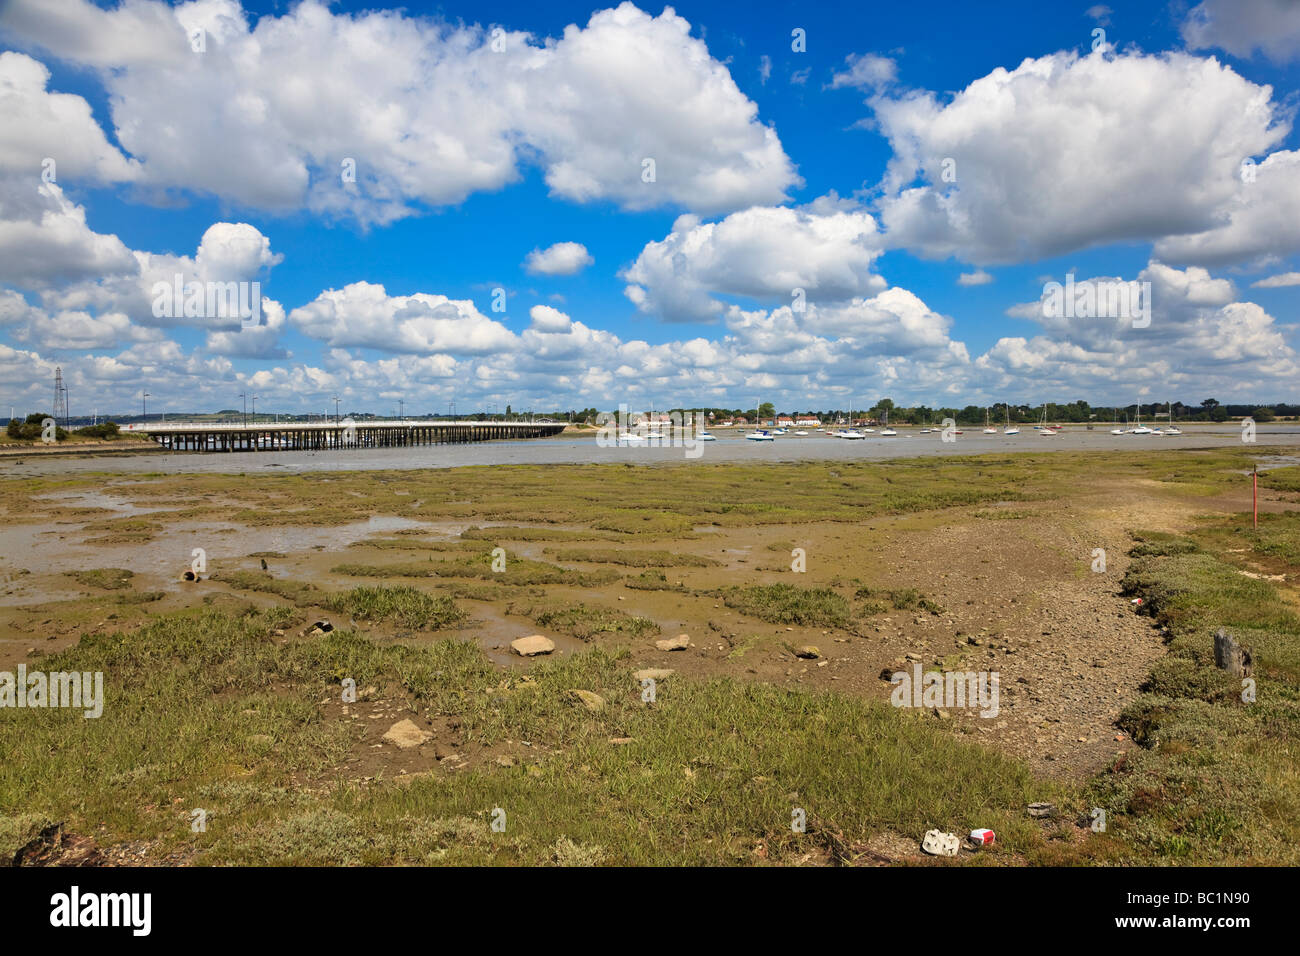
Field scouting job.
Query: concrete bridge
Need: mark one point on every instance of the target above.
(318, 436)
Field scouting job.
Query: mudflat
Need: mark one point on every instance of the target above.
(399, 729)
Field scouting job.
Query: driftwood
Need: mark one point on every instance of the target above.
(1231, 656)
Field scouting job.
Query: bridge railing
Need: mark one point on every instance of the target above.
(274, 426)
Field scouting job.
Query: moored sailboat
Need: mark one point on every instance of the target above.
(1010, 429)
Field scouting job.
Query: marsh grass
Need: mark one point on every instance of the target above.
(585, 621)
(879, 600)
(405, 606)
(128, 530)
(1276, 542)
(519, 572)
(602, 502)
(788, 604)
(416, 544)
(296, 592)
(203, 711)
(651, 580)
(502, 533)
(109, 579)
(633, 559)
(1218, 777)
(139, 597)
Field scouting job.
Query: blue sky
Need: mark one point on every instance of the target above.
(818, 169)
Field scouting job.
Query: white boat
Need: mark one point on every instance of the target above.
(848, 432)
(801, 433)
(988, 428)
(760, 434)
(887, 431)
(1045, 429)
(704, 436)
(1010, 429)
(1172, 429)
(1139, 428)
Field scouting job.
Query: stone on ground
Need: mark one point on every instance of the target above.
(532, 645)
(406, 735)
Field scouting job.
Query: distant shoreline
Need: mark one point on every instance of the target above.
(82, 448)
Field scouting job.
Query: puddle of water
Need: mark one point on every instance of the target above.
(158, 564)
(1271, 462)
(97, 499)
(497, 629)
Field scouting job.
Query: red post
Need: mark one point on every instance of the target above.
(1254, 492)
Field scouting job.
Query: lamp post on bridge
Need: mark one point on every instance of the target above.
(244, 397)
(144, 406)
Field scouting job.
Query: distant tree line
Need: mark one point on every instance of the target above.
(1080, 411)
(32, 428)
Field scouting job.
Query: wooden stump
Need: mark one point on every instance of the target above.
(1231, 656)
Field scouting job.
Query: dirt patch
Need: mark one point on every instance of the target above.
(440, 747)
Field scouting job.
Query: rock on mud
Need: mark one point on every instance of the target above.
(406, 735)
(678, 643)
(532, 645)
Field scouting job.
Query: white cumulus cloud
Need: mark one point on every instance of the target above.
(1066, 152)
(364, 315)
(1278, 281)
(547, 319)
(369, 115)
(51, 134)
(561, 259)
(827, 249)
(1241, 27)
